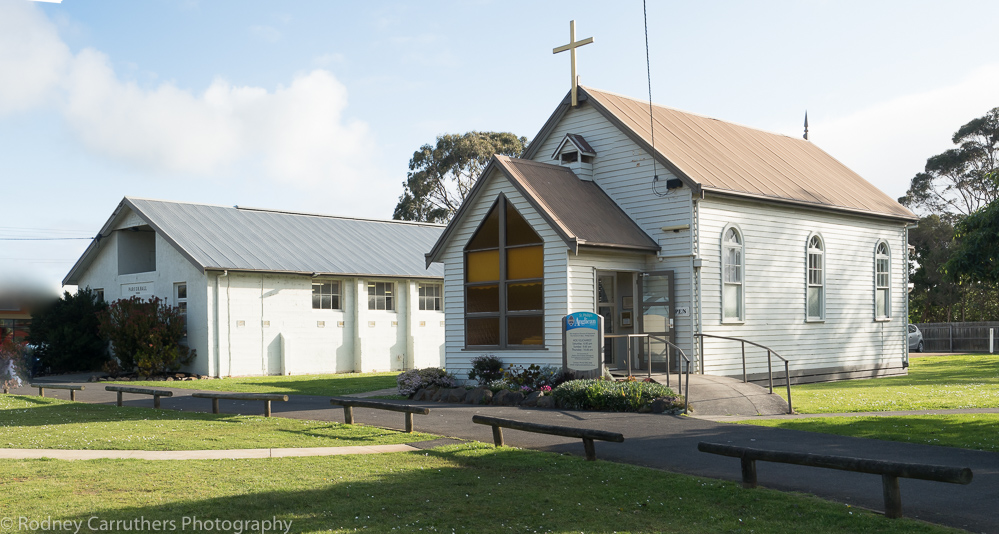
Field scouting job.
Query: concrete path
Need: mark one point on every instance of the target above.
(66, 454)
(956, 411)
(670, 443)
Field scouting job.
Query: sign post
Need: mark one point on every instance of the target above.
(583, 344)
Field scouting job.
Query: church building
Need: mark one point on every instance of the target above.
(703, 231)
(269, 292)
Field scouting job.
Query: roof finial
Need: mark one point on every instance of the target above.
(806, 125)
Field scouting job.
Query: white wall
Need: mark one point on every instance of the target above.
(775, 287)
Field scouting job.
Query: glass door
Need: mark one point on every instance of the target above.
(656, 317)
(607, 307)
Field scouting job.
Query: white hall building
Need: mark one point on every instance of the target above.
(744, 234)
(271, 292)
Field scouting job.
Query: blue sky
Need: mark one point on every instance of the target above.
(318, 105)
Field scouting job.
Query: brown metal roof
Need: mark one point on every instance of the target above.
(728, 158)
(577, 209)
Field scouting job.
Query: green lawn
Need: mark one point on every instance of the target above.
(331, 385)
(43, 423)
(465, 488)
(966, 431)
(933, 383)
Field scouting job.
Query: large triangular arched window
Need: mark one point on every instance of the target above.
(504, 282)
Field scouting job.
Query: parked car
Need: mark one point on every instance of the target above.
(915, 338)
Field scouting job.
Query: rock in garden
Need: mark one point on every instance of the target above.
(532, 398)
(479, 395)
(546, 402)
(457, 395)
(438, 394)
(507, 398)
(661, 405)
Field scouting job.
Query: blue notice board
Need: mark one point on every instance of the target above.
(583, 343)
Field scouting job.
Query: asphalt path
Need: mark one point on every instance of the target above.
(669, 443)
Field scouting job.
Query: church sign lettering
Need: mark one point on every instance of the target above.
(583, 343)
(143, 290)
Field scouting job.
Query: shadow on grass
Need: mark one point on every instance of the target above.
(478, 491)
(322, 385)
(46, 413)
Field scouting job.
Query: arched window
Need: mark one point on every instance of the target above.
(816, 298)
(504, 282)
(733, 291)
(882, 281)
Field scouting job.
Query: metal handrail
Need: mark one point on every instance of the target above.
(680, 368)
(770, 372)
(648, 347)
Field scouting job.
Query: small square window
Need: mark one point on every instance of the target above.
(381, 296)
(326, 295)
(430, 297)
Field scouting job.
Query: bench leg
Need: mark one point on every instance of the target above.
(893, 497)
(41, 392)
(267, 408)
(348, 415)
(156, 401)
(497, 436)
(215, 406)
(72, 394)
(748, 473)
(591, 451)
(119, 399)
(409, 422)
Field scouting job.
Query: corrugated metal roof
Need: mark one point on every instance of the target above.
(570, 205)
(217, 237)
(729, 158)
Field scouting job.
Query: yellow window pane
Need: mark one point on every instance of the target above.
(518, 231)
(525, 262)
(525, 330)
(483, 266)
(488, 234)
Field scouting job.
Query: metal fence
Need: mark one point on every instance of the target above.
(958, 337)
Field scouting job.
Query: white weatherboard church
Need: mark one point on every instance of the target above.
(269, 292)
(745, 234)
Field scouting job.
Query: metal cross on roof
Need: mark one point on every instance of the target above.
(573, 44)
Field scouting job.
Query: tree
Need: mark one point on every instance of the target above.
(440, 176)
(957, 180)
(146, 335)
(976, 258)
(66, 335)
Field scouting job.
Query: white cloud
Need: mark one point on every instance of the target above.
(32, 57)
(296, 134)
(888, 143)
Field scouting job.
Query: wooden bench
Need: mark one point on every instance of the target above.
(156, 393)
(350, 403)
(890, 471)
(586, 434)
(266, 397)
(71, 387)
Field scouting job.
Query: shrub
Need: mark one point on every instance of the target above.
(611, 396)
(67, 335)
(531, 378)
(485, 369)
(146, 335)
(13, 359)
(412, 381)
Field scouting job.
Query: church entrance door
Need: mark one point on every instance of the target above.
(655, 318)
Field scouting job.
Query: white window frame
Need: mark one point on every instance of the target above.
(335, 294)
(430, 302)
(815, 276)
(740, 272)
(381, 296)
(882, 280)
